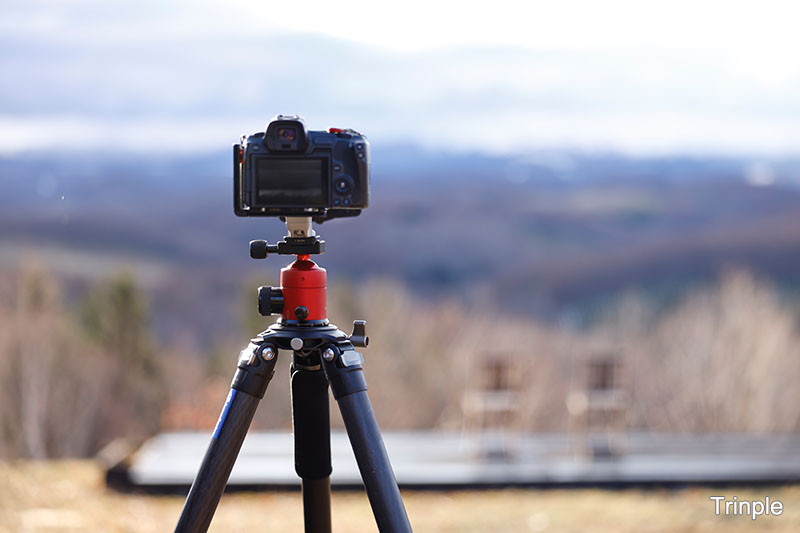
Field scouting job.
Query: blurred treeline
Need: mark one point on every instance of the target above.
(76, 373)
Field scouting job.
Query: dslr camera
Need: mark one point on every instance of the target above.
(288, 171)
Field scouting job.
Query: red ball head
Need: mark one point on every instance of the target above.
(304, 284)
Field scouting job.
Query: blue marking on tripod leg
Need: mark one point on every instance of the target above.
(224, 414)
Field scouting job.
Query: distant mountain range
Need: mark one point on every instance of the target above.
(548, 235)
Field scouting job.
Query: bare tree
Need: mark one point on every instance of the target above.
(726, 359)
(51, 395)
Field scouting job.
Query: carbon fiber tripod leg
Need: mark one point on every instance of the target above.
(346, 377)
(255, 369)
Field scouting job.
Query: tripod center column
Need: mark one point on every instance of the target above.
(304, 286)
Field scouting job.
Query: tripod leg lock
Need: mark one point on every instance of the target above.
(344, 371)
(255, 369)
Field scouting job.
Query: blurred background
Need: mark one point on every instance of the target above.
(577, 208)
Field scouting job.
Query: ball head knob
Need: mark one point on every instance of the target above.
(270, 301)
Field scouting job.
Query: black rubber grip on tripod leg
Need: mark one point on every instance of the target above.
(311, 423)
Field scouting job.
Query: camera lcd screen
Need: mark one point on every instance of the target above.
(291, 182)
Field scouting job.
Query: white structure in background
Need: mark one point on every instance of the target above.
(491, 409)
(598, 411)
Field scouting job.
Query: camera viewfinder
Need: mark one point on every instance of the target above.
(287, 134)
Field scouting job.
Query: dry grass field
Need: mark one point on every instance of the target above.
(70, 496)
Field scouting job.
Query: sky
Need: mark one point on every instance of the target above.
(747, 27)
(501, 77)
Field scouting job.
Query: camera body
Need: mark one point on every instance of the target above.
(290, 171)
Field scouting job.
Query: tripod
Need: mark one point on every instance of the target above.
(323, 356)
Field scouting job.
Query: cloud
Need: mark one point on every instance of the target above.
(149, 72)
